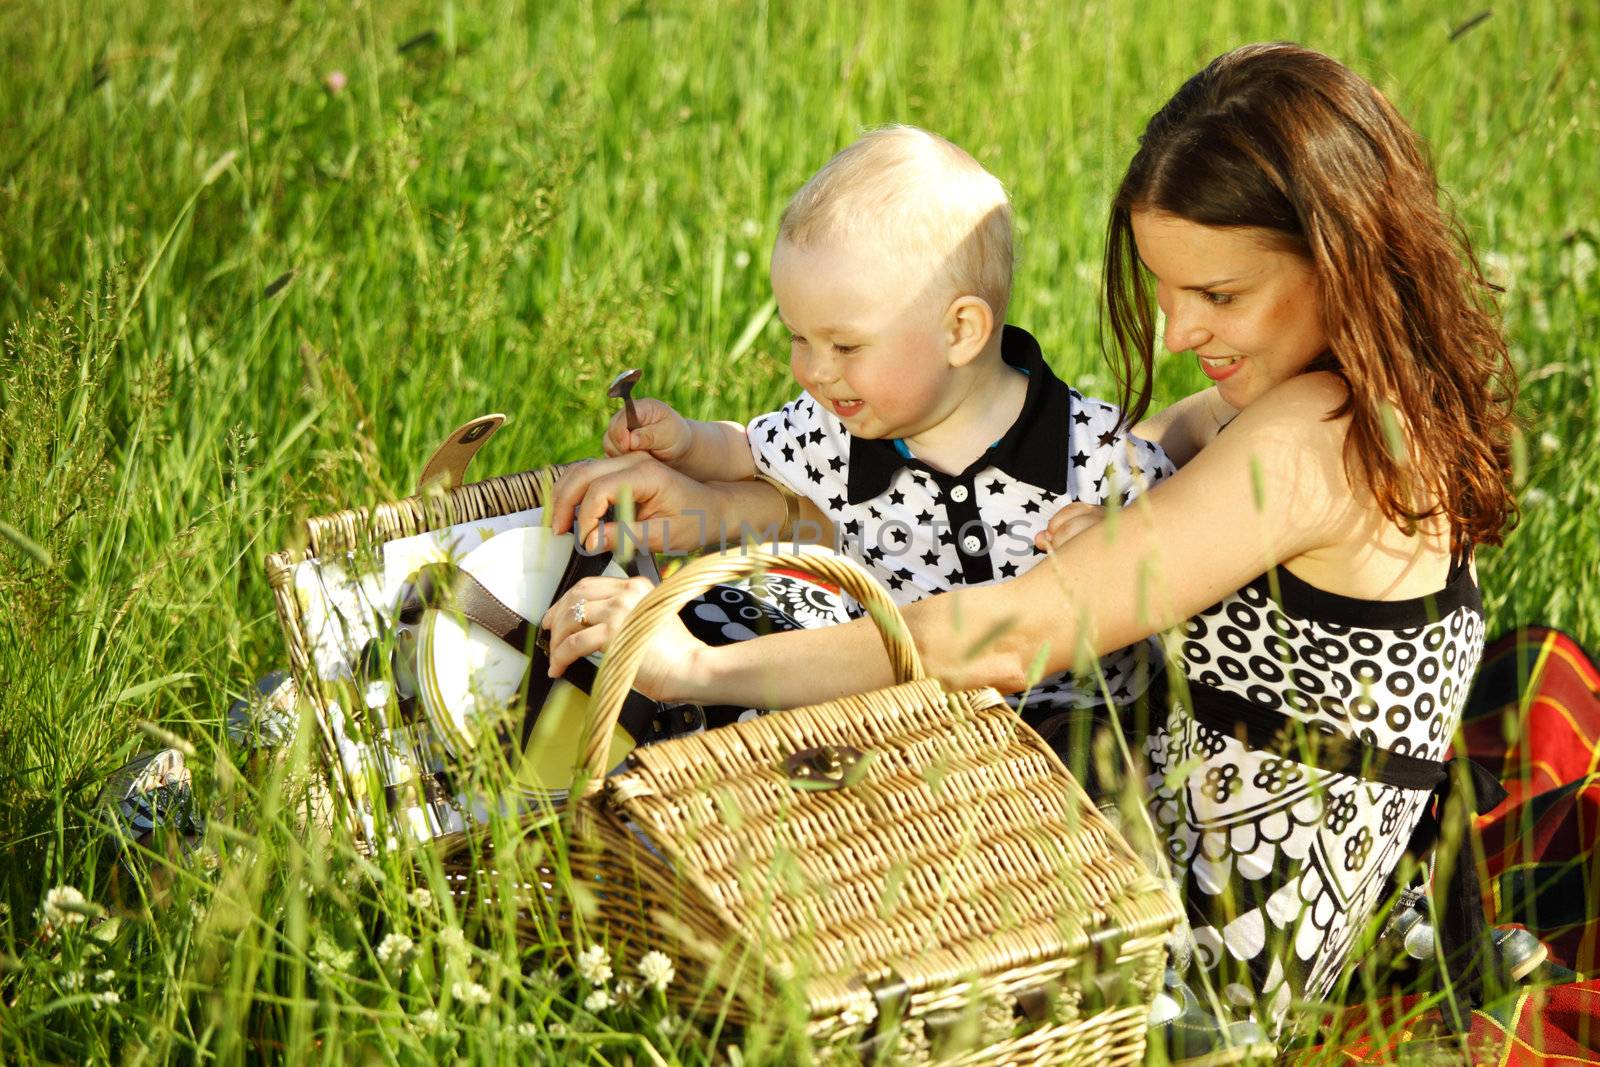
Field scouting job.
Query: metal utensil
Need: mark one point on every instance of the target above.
(622, 389)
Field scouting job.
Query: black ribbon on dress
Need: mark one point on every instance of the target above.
(1463, 936)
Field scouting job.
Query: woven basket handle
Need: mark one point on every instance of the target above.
(622, 659)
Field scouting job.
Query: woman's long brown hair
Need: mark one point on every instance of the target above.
(1282, 139)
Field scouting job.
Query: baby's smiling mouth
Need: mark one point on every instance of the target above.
(846, 408)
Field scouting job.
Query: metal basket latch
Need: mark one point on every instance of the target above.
(826, 767)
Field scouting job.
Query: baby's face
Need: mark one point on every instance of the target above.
(866, 337)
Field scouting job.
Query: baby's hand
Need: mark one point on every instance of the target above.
(1068, 523)
(662, 432)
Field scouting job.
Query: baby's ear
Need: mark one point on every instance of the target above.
(968, 326)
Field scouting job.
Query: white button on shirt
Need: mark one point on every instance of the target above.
(917, 529)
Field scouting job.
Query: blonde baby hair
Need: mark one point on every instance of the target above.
(925, 199)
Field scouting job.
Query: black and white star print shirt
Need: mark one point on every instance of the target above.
(921, 531)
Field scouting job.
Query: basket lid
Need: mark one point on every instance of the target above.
(958, 843)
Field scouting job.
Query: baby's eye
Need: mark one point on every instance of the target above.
(1217, 299)
(845, 350)
(796, 339)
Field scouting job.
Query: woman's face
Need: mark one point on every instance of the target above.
(1244, 306)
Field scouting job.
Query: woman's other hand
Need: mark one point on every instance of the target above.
(671, 511)
(588, 618)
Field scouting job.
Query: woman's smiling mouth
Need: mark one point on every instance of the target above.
(1219, 367)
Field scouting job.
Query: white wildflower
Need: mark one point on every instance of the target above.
(594, 965)
(394, 948)
(741, 259)
(625, 990)
(64, 906)
(669, 1024)
(1497, 269)
(426, 1020)
(656, 970)
(1534, 498)
(557, 1029)
(598, 1000)
(528, 1030)
(1583, 261)
(1549, 442)
(72, 981)
(421, 899)
(453, 941)
(330, 956)
(859, 1014)
(469, 993)
(105, 997)
(749, 229)
(106, 977)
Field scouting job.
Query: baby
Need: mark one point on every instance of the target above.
(932, 440)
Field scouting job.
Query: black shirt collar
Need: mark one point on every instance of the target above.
(1034, 450)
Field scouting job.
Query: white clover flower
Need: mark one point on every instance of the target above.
(528, 1030)
(426, 1020)
(469, 993)
(557, 1029)
(859, 1014)
(749, 229)
(330, 956)
(669, 1024)
(598, 1000)
(105, 997)
(106, 977)
(594, 965)
(64, 906)
(72, 981)
(394, 949)
(453, 941)
(1549, 442)
(1583, 261)
(741, 259)
(656, 970)
(421, 899)
(1497, 269)
(1534, 498)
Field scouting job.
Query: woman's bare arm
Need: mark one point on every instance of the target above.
(1266, 492)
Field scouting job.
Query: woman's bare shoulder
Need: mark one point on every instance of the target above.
(1303, 410)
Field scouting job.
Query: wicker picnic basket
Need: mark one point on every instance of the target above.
(908, 872)
(908, 865)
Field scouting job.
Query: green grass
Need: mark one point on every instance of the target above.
(235, 297)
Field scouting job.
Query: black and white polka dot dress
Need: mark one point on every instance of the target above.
(1280, 863)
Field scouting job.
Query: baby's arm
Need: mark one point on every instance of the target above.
(1184, 428)
(705, 451)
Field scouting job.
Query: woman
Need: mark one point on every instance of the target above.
(1313, 554)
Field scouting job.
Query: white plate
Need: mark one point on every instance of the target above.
(467, 676)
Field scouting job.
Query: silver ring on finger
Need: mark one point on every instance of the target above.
(580, 614)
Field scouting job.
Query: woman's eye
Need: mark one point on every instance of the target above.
(1217, 299)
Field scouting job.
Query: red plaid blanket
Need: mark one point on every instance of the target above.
(1533, 718)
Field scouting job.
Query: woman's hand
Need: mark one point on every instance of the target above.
(672, 512)
(1068, 523)
(589, 617)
